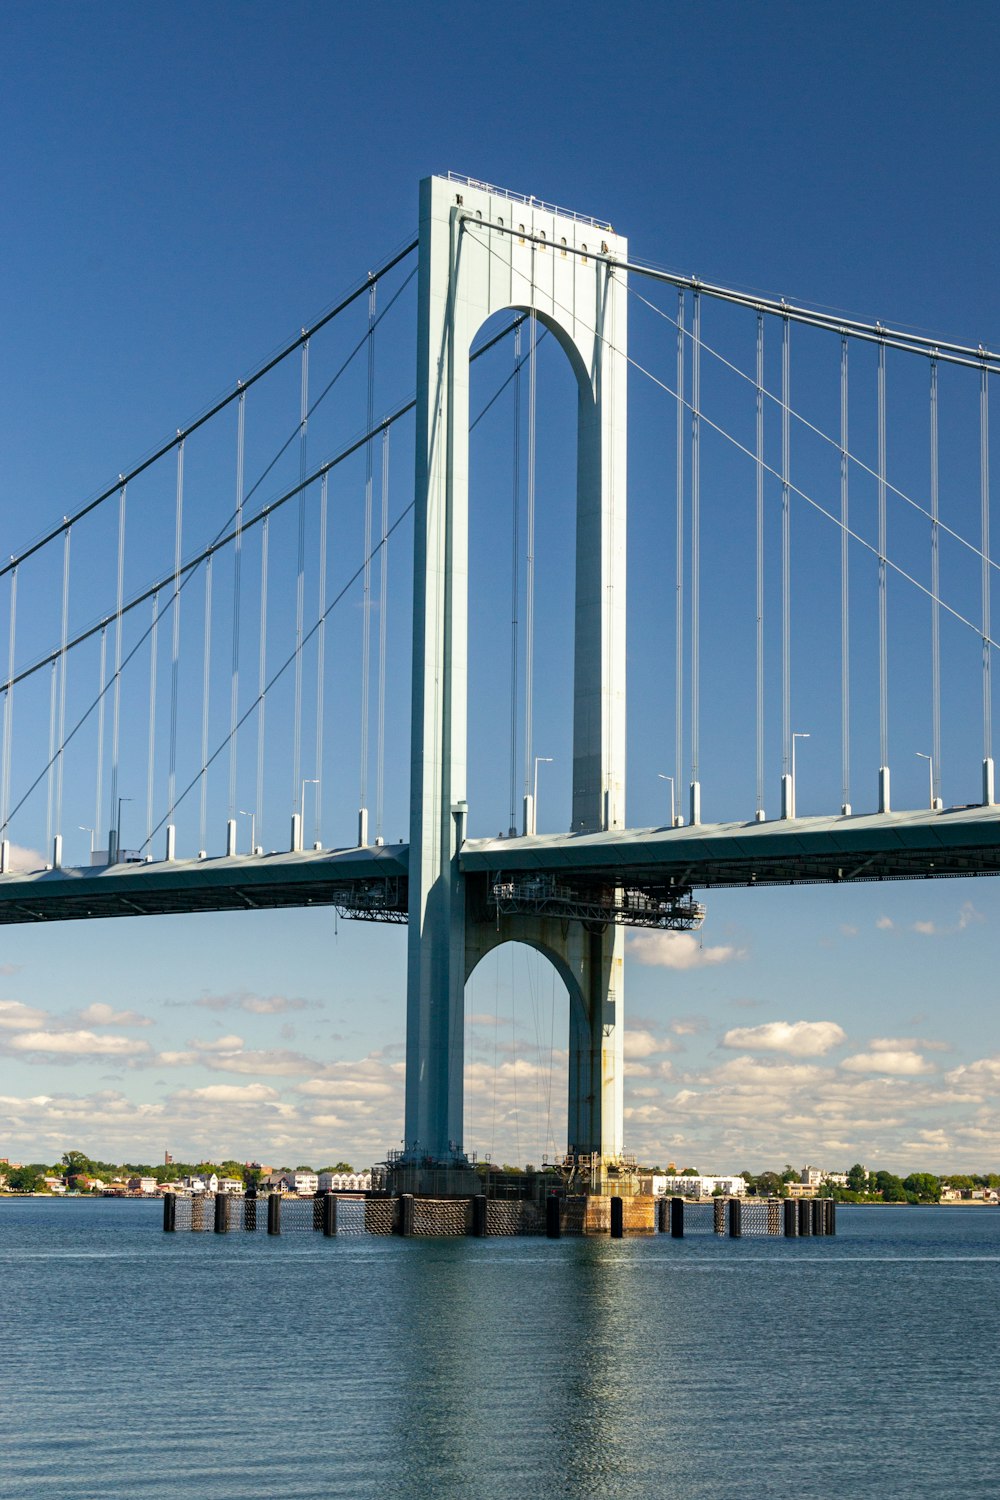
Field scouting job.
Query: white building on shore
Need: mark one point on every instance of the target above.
(705, 1185)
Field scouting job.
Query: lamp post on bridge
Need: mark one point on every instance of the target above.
(84, 829)
(299, 817)
(531, 802)
(934, 802)
(673, 815)
(113, 854)
(253, 829)
(797, 735)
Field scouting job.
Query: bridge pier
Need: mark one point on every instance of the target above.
(484, 251)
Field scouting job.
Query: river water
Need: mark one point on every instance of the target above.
(141, 1366)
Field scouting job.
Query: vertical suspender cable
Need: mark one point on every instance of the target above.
(300, 578)
(529, 575)
(63, 672)
(50, 775)
(175, 645)
(935, 589)
(206, 676)
(514, 579)
(262, 676)
(151, 758)
(321, 658)
(101, 695)
(845, 625)
(366, 624)
(984, 496)
(116, 711)
(883, 629)
(234, 691)
(696, 558)
(8, 705)
(679, 560)
(760, 564)
(383, 617)
(786, 553)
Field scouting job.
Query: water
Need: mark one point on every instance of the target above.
(140, 1366)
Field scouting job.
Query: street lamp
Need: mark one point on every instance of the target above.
(660, 774)
(797, 735)
(118, 828)
(84, 829)
(309, 781)
(253, 829)
(930, 774)
(539, 760)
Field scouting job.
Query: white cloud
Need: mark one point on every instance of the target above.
(885, 924)
(14, 1016)
(640, 1043)
(901, 1064)
(76, 1044)
(100, 1014)
(231, 1093)
(984, 1071)
(219, 1044)
(905, 1044)
(797, 1038)
(256, 1005)
(679, 950)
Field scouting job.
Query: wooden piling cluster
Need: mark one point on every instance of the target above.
(481, 1217)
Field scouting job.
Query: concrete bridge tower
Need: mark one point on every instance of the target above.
(481, 251)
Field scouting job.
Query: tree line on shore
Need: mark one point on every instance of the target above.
(77, 1171)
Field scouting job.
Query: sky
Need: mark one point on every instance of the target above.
(186, 188)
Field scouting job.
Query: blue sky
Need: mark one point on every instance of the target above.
(187, 187)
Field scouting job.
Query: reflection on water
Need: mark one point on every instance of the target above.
(134, 1364)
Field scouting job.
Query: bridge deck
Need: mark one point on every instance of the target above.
(242, 883)
(891, 846)
(883, 846)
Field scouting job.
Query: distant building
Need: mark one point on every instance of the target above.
(144, 1185)
(802, 1189)
(811, 1176)
(230, 1185)
(54, 1184)
(345, 1182)
(705, 1186)
(207, 1184)
(305, 1184)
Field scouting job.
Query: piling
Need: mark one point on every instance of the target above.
(479, 1216)
(274, 1213)
(677, 1218)
(831, 1216)
(330, 1215)
(221, 1213)
(553, 1228)
(791, 1209)
(617, 1218)
(735, 1219)
(719, 1216)
(805, 1216)
(406, 1214)
(819, 1216)
(169, 1213)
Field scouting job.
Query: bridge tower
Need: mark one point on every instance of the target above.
(481, 251)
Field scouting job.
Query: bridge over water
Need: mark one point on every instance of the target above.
(112, 692)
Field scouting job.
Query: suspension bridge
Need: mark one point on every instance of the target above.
(207, 648)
